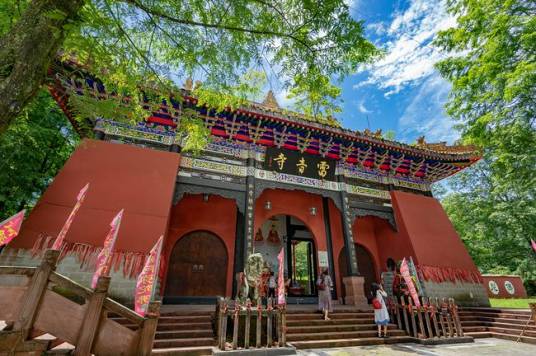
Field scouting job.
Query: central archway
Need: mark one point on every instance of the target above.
(197, 267)
(300, 263)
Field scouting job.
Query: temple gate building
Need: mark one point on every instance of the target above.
(268, 179)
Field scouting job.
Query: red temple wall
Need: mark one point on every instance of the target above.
(337, 241)
(433, 238)
(218, 216)
(391, 244)
(519, 288)
(139, 180)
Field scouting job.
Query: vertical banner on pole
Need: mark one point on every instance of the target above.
(61, 236)
(9, 228)
(147, 279)
(281, 278)
(404, 271)
(413, 272)
(105, 256)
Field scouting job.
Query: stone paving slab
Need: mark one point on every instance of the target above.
(484, 347)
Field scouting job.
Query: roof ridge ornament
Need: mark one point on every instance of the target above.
(189, 84)
(270, 100)
(421, 141)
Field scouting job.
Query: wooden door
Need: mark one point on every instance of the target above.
(197, 266)
(365, 265)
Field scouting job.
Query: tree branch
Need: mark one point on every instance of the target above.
(172, 39)
(275, 8)
(139, 51)
(254, 31)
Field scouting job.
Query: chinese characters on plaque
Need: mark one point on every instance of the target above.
(299, 164)
(323, 259)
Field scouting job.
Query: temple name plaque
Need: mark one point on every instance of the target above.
(299, 164)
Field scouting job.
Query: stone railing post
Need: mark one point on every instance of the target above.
(90, 325)
(148, 329)
(34, 293)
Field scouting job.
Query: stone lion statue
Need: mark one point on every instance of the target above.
(248, 280)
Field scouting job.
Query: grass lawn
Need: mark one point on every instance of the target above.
(512, 303)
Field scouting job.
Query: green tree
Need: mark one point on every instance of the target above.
(134, 44)
(33, 150)
(390, 135)
(492, 68)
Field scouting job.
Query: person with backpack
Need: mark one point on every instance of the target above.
(324, 285)
(381, 314)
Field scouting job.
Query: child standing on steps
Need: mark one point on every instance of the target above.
(381, 314)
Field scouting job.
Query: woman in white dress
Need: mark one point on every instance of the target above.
(325, 285)
(381, 314)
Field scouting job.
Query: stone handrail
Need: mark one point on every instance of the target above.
(29, 301)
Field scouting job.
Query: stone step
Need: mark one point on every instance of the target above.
(181, 334)
(471, 322)
(329, 322)
(189, 313)
(496, 320)
(332, 328)
(478, 334)
(507, 331)
(187, 351)
(525, 339)
(338, 310)
(333, 316)
(495, 315)
(317, 344)
(476, 328)
(520, 326)
(340, 335)
(176, 343)
(183, 326)
(496, 310)
(185, 319)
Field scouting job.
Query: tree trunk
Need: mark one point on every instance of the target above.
(27, 51)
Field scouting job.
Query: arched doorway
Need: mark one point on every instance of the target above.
(197, 267)
(365, 265)
(300, 263)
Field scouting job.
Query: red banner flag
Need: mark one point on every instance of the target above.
(404, 271)
(532, 242)
(105, 256)
(147, 279)
(281, 278)
(61, 236)
(10, 227)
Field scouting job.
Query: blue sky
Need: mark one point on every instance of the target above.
(401, 92)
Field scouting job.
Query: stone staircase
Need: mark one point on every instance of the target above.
(500, 323)
(308, 330)
(184, 333)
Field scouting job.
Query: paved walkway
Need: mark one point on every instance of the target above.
(486, 347)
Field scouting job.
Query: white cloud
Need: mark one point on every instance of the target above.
(410, 57)
(425, 115)
(362, 109)
(378, 28)
(351, 3)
